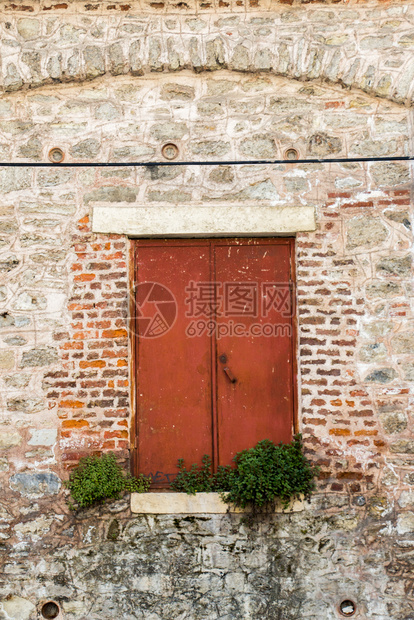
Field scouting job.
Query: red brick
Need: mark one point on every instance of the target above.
(92, 364)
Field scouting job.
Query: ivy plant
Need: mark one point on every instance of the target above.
(201, 479)
(271, 472)
(97, 478)
(261, 476)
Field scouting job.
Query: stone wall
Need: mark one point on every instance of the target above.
(64, 298)
(365, 45)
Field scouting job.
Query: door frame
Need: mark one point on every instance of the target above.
(134, 244)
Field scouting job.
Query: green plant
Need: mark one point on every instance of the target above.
(261, 476)
(270, 472)
(97, 478)
(201, 479)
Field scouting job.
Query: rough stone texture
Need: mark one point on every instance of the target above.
(64, 357)
(373, 51)
(35, 485)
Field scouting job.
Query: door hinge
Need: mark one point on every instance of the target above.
(136, 442)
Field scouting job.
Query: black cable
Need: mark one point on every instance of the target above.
(329, 160)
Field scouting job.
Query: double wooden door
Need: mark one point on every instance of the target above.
(215, 348)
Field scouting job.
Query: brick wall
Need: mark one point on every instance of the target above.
(92, 387)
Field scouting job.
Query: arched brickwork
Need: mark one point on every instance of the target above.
(376, 57)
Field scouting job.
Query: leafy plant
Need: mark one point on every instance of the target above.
(97, 478)
(201, 479)
(270, 472)
(261, 476)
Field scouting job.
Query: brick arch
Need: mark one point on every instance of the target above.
(302, 57)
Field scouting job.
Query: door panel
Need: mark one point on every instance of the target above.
(256, 401)
(221, 389)
(173, 372)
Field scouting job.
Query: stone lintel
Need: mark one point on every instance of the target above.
(182, 503)
(204, 221)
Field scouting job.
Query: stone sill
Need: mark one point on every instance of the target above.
(202, 221)
(182, 503)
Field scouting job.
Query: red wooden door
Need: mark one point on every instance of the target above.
(259, 403)
(215, 347)
(173, 372)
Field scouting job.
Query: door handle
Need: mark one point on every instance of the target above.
(229, 374)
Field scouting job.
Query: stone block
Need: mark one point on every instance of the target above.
(168, 131)
(401, 217)
(9, 439)
(53, 178)
(174, 59)
(33, 530)
(381, 375)
(30, 301)
(389, 478)
(408, 370)
(6, 360)
(135, 61)
(221, 175)
(365, 232)
(296, 184)
(394, 422)
(374, 148)
(403, 343)
(200, 221)
(177, 92)
(116, 59)
(176, 196)
(183, 503)
(405, 523)
(14, 179)
(395, 266)
(210, 148)
(376, 42)
(322, 145)
(40, 356)
(8, 264)
(35, 484)
(43, 437)
(402, 446)
(374, 352)
(16, 380)
(259, 146)
(28, 28)
(25, 405)
(94, 62)
(406, 499)
(17, 608)
(383, 290)
(139, 152)
(263, 190)
(240, 60)
(8, 227)
(111, 194)
(154, 54)
(215, 54)
(88, 149)
(13, 80)
(390, 173)
(54, 67)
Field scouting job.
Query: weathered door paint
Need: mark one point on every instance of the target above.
(214, 347)
(259, 404)
(173, 372)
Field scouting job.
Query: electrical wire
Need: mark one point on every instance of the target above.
(155, 164)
